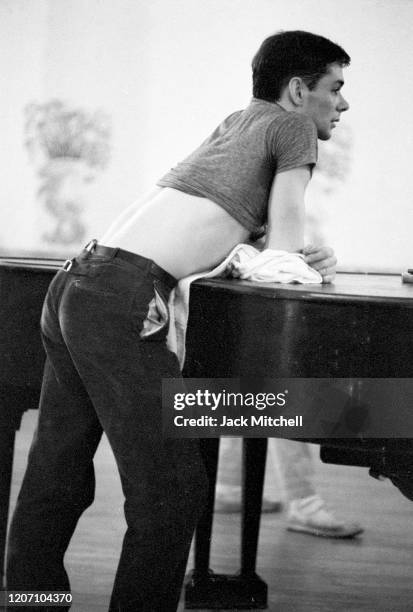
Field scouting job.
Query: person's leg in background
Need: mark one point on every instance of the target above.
(307, 512)
(228, 489)
(290, 464)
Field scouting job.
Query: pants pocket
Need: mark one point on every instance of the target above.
(156, 323)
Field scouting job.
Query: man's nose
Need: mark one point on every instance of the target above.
(343, 105)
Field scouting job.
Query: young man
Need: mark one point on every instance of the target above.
(105, 321)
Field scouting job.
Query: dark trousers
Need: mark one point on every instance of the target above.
(104, 327)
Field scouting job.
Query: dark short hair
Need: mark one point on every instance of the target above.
(285, 55)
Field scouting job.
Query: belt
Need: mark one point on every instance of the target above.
(99, 250)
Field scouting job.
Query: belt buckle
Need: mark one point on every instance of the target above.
(67, 265)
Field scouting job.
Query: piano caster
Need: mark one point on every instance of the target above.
(225, 592)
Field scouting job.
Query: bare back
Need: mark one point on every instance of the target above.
(182, 233)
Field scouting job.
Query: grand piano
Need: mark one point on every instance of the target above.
(359, 327)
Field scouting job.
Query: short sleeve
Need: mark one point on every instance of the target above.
(293, 143)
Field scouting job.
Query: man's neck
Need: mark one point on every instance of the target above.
(286, 104)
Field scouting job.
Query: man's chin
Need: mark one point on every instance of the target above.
(324, 135)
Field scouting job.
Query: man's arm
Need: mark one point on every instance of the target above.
(286, 217)
(286, 212)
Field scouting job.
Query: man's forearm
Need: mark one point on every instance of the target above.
(286, 231)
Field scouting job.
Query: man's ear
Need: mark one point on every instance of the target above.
(296, 90)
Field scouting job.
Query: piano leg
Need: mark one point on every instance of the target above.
(200, 584)
(245, 590)
(253, 464)
(209, 449)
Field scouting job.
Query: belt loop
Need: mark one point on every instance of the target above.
(68, 264)
(91, 246)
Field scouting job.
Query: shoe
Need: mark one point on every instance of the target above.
(228, 506)
(310, 515)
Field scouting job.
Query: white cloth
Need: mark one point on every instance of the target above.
(244, 262)
(270, 266)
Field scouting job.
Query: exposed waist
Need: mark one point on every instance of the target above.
(183, 233)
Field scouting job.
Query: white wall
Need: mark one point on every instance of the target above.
(167, 71)
(22, 61)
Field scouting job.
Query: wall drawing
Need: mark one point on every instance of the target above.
(69, 147)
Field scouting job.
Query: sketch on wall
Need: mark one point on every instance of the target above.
(69, 147)
(331, 172)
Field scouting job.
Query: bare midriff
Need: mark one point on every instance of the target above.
(182, 233)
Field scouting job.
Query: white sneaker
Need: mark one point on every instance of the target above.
(310, 515)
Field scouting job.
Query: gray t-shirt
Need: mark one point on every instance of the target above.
(236, 165)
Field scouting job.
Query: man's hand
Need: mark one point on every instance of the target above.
(321, 259)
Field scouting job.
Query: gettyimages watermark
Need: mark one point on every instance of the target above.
(315, 408)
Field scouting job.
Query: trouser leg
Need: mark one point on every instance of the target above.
(295, 463)
(161, 516)
(164, 487)
(290, 459)
(230, 453)
(59, 481)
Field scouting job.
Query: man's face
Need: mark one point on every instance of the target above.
(325, 103)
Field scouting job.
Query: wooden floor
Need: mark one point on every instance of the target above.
(304, 573)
